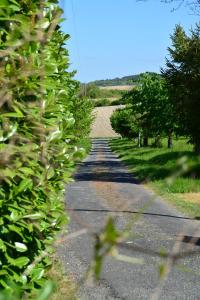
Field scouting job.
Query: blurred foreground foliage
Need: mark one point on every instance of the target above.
(42, 124)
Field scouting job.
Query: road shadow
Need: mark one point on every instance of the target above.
(103, 165)
(107, 171)
(191, 240)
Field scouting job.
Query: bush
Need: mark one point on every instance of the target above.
(102, 102)
(117, 102)
(123, 122)
(37, 142)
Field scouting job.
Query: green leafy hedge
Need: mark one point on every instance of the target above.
(37, 138)
(124, 122)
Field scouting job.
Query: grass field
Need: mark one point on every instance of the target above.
(117, 87)
(174, 174)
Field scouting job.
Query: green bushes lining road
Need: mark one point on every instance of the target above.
(169, 172)
(39, 121)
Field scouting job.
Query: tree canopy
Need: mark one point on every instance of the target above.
(182, 74)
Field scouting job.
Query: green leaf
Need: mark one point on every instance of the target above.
(162, 270)
(20, 247)
(3, 272)
(33, 216)
(14, 215)
(24, 185)
(24, 279)
(37, 273)
(111, 234)
(17, 114)
(27, 171)
(12, 115)
(2, 245)
(16, 229)
(5, 285)
(50, 173)
(4, 3)
(8, 68)
(8, 173)
(46, 291)
(21, 261)
(14, 7)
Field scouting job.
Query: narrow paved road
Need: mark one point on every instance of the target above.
(103, 186)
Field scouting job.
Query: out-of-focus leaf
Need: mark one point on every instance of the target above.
(24, 185)
(33, 216)
(4, 3)
(47, 291)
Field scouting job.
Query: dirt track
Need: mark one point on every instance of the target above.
(101, 126)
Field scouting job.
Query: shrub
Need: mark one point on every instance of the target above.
(117, 102)
(123, 122)
(102, 102)
(37, 140)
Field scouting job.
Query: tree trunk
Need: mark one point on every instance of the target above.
(170, 141)
(139, 139)
(145, 141)
(157, 142)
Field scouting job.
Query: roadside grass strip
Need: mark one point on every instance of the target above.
(172, 173)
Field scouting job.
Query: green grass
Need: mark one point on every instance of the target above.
(171, 173)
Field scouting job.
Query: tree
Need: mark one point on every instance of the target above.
(89, 90)
(182, 74)
(151, 103)
(193, 5)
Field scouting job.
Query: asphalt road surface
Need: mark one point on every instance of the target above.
(103, 187)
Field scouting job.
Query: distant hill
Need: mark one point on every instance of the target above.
(126, 80)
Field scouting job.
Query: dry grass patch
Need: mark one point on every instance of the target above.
(65, 287)
(117, 87)
(190, 197)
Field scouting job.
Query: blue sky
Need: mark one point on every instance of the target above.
(115, 38)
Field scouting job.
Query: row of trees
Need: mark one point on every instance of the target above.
(42, 121)
(166, 104)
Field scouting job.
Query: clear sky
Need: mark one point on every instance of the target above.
(115, 38)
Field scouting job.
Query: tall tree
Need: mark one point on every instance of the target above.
(183, 77)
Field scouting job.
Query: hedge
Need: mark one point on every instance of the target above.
(37, 139)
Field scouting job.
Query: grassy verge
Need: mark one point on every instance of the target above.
(174, 174)
(64, 287)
